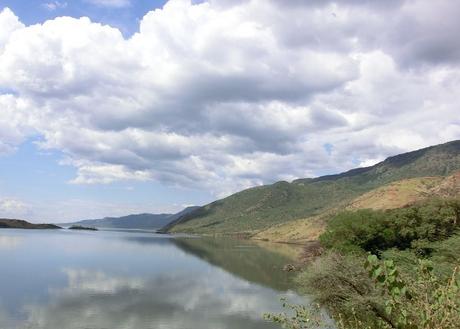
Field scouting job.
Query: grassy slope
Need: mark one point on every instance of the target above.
(262, 207)
(408, 191)
(390, 196)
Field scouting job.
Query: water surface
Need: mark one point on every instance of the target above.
(134, 280)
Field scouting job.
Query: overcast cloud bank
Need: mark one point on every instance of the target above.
(225, 95)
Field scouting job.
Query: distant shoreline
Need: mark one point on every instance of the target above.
(82, 228)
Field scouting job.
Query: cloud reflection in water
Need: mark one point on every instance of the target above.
(98, 300)
(9, 242)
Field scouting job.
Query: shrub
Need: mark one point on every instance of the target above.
(359, 230)
(376, 231)
(424, 302)
(342, 285)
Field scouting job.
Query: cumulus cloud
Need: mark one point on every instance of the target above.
(10, 207)
(9, 23)
(229, 94)
(53, 5)
(15, 124)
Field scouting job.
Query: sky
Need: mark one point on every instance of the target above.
(112, 107)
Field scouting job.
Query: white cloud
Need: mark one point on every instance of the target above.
(91, 173)
(15, 124)
(13, 208)
(9, 23)
(228, 94)
(53, 5)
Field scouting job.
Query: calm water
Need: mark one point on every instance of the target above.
(108, 280)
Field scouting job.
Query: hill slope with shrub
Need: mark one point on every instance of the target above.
(391, 196)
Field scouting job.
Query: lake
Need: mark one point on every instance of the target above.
(61, 279)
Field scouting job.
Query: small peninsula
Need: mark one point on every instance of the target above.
(22, 224)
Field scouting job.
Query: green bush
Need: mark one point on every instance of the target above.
(360, 230)
(424, 302)
(375, 231)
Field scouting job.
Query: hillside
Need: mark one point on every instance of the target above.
(408, 191)
(138, 221)
(17, 223)
(391, 196)
(259, 208)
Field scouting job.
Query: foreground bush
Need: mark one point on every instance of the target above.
(424, 302)
(342, 285)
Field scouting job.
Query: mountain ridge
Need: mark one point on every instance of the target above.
(133, 221)
(260, 207)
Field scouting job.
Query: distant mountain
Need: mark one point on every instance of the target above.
(259, 208)
(18, 223)
(138, 221)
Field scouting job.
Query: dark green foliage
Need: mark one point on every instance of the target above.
(261, 207)
(445, 255)
(410, 227)
(360, 230)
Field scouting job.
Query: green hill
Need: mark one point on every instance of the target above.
(258, 208)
